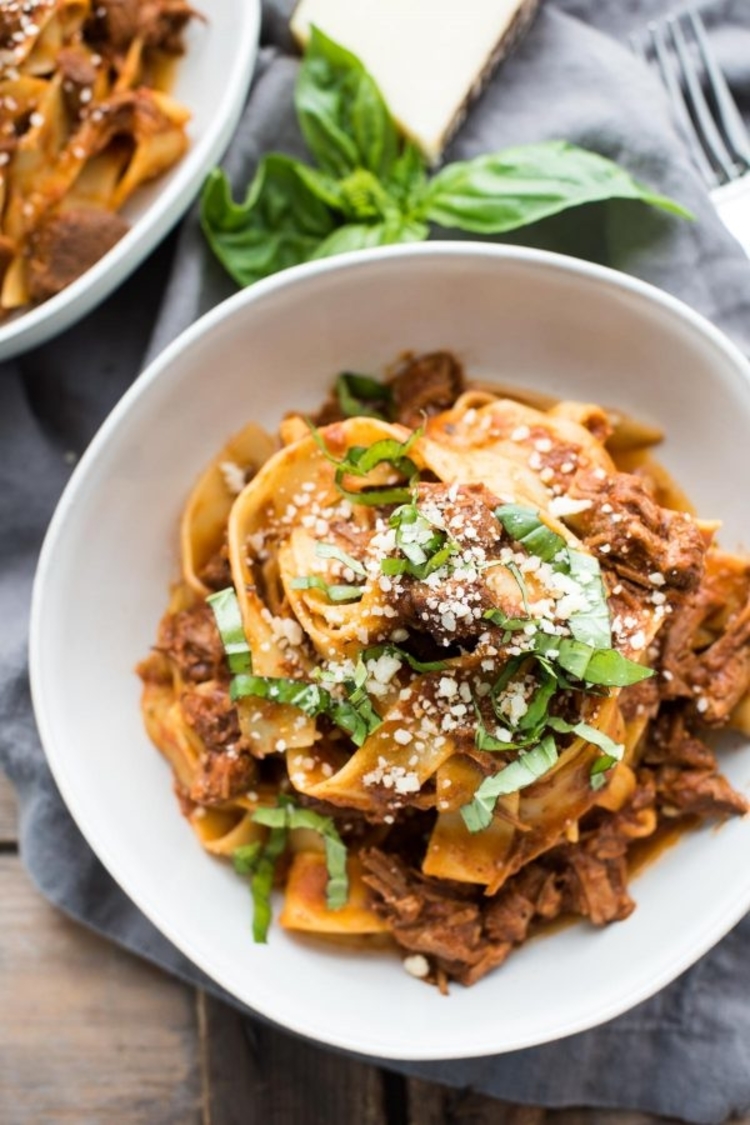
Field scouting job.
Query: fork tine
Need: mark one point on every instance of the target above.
(679, 108)
(711, 136)
(636, 46)
(729, 115)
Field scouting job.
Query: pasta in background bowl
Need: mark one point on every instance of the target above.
(108, 136)
(537, 321)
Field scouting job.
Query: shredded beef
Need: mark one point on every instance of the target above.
(452, 611)
(222, 777)
(465, 933)
(716, 677)
(217, 573)
(191, 640)
(64, 246)
(425, 385)
(227, 768)
(596, 888)
(159, 23)
(647, 539)
(685, 772)
(78, 73)
(437, 918)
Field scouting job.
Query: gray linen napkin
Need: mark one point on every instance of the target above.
(686, 1052)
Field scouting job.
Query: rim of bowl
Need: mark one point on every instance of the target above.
(40, 323)
(706, 935)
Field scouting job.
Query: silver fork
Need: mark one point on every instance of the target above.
(710, 122)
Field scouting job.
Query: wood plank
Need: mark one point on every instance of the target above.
(88, 1033)
(8, 812)
(255, 1075)
(439, 1105)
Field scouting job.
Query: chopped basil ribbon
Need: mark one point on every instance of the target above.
(355, 715)
(226, 610)
(260, 864)
(590, 625)
(376, 651)
(259, 861)
(360, 460)
(523, 525)
(524, 771)
(287, 816)
(604, 667)
(598, 770)
(590, 734)
(331, 551)
(612, 751)
(513, 568)
(333, 593)
(360, 396)
(425, 546)
(509, 624)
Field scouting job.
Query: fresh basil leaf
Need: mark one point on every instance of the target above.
(281, 222)
(524, 525)
(408, 179)
(590, 625)
(331, 551)
(361, 236)
(359, 396)
(509, 189)
(341, 111)
(524, 771)
(335, 593)
(226, 611)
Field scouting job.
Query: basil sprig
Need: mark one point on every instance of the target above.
(371, 188)
(259, 861)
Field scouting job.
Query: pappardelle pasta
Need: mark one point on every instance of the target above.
(440, 659)
(85, 120)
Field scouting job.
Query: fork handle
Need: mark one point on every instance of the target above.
(732, 201)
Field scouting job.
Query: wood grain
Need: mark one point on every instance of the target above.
(8, 813)
(256, 1075)
(87, 1033)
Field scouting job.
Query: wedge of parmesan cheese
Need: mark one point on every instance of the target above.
(429, 57)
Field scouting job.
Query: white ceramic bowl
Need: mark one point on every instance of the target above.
(520, 315)
(212, 80)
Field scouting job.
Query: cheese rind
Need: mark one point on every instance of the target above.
(429, 57)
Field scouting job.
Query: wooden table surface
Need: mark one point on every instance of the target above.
(90, 1034)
